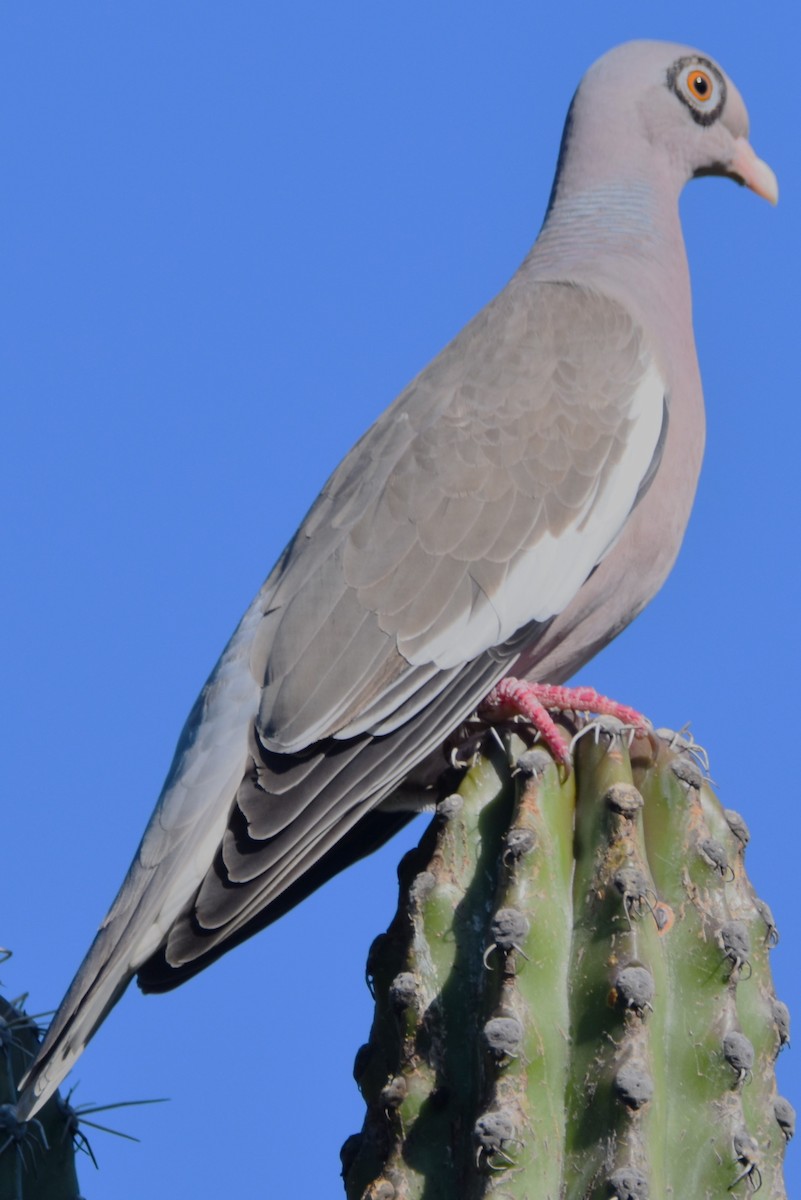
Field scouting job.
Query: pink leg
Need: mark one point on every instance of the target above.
(531, 700)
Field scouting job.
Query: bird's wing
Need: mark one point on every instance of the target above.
(465, 519)
(479, 502)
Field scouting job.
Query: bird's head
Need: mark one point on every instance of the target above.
(659, 105)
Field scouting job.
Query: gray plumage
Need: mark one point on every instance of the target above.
(511, 512)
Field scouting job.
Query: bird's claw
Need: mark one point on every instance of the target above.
(520, 697)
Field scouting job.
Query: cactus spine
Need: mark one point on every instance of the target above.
(574, 998)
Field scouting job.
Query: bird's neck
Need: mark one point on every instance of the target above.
(605, 216)
(623, 240)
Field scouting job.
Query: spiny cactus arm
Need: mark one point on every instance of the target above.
(721, 1006)
(615, 1098)
(419, 1071)
(769, 1117)
(525, 1032)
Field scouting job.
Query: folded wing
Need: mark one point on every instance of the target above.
(458, 527)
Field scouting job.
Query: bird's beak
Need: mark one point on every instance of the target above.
(746, 168)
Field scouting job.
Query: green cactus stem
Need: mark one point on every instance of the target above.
(574, 998)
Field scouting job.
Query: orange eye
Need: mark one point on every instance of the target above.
(699, 85)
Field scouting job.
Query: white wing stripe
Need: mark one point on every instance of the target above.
(544, 578)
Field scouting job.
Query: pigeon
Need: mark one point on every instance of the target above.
(507, 516)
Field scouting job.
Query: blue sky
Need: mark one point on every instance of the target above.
(231, 233)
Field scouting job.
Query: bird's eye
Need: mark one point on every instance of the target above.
(699, 85)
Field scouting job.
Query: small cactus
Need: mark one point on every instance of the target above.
(574, 998)
(37, 1158)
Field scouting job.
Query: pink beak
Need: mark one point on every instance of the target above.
(753, 172)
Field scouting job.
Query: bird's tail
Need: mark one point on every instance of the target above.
(177, 847)
(101, 979)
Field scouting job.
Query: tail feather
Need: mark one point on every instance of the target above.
(177, 848)
(101, 979)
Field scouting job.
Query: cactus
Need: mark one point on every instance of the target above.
(37, 1159)
(574, 997)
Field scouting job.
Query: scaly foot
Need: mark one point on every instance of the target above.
(513, 697)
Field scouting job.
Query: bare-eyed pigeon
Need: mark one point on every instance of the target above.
(513, 509)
